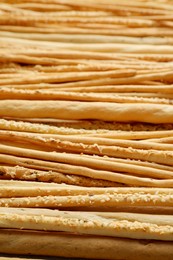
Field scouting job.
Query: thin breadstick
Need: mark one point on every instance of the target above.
(106, 170)
(35, 60)
(94, 125)
(88, 201)
(120, 225)
(33, 189)
(73, 245)
(113, 8)
(43, 7)
(136, 162)
(133, 135)
(14, 31)
(117, 178)
(128, 88)
(107, 81)
(129, 131)
(118, 48)
(141, 170)
(149, 113)
(68, 77)
(167, 140)
(22, 173)
(6, 93)
(73, 142)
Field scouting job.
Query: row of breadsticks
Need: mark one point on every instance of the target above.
(86, 157)
(95, 17)
(28, 194)
(85, 234)
(86, 128)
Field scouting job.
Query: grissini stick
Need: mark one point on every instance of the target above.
(39, 33)
(113, 8)
(55, 175)
(116, 47)
(43, 7)
(16, 69)
(127, 225)
(148, 155)
(6, 93)
(50, 160)
(94, 18)
(132, 32)
(23, 173)
(115, 216)
(68, 142)
(84, 35)
(84, 246)
(32, 189)
(101, 47)
(149, 113)
(69, 77)
(164, 140)
(89, 168)
(134, 135)
(87, 202)
(66, 54)
(86, 160)
(158, 90)
(36, 60)
(135, 162)
(93, 66)
(123, 131)
(140, 169)
(113, 201)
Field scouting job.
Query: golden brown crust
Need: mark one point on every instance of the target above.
(94, 247)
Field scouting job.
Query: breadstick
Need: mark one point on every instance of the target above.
(6, 93)
(90, 202)
(43, 7)
(68, 77)
(168, 140)
(120, 225)
(128, 88)
(134, 135)
(16, 188)
(39, 128)
(22, 173)
(151, 113)
(101, 82)
(35, 60)
(105, 174)
(136, 162)
(156, 156)
(98, 77)
(133, 132)
(65, 142)
(14, 31)
(118, 48)
(106, 171)
(113, 8)
(73, 245)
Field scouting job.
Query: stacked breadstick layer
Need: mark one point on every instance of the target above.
(87, 230)
(37, 152)
(104, 224)
(60, 196)
(86, 128)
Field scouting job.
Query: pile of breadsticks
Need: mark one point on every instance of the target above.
(86, 128)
